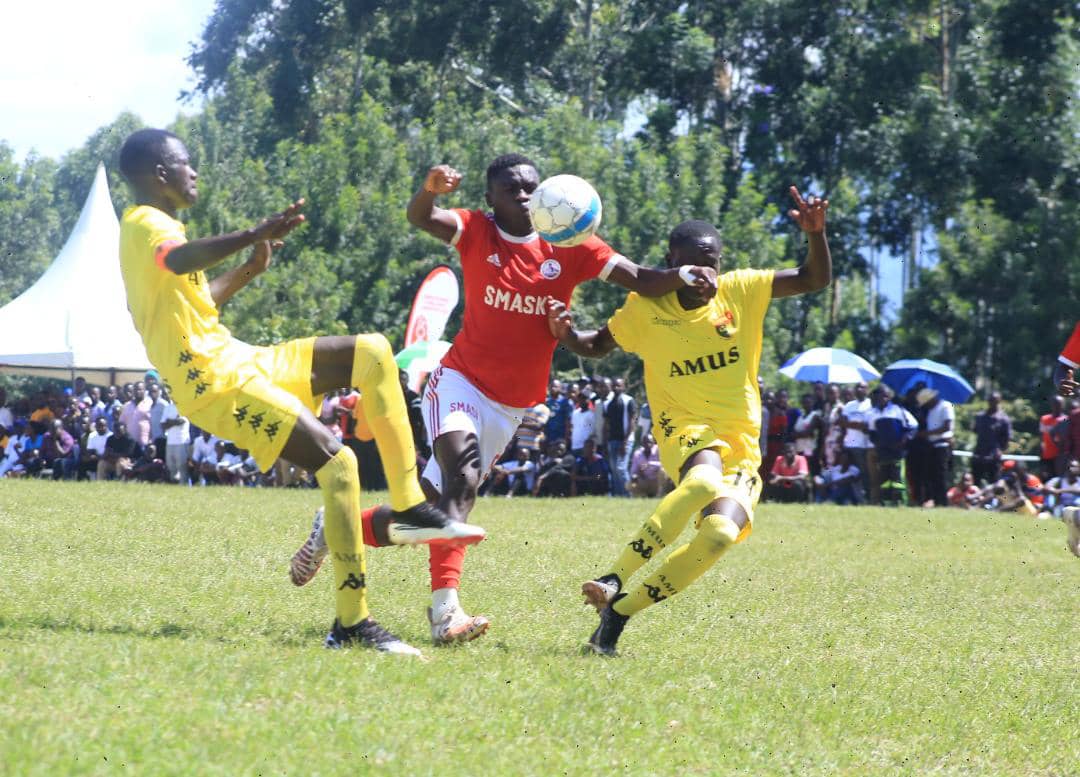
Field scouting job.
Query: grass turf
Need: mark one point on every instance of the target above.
(153, 630)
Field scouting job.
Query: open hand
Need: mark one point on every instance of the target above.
(442, 179)
(560, 321)
(810, 213)
(280, 224)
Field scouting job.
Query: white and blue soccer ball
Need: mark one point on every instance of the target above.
(565, 210)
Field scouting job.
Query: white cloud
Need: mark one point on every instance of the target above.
(67, 68)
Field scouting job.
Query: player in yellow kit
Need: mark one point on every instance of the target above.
(701, 355)
(263, 397)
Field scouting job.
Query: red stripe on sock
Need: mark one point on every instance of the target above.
(365, 524)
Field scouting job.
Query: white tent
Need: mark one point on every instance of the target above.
(74, 320)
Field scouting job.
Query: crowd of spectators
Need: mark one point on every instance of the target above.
(847, 445)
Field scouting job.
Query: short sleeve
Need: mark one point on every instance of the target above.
(466, 228)
(755, 288)
(595, 259)
(623, 324)
(1070, 355)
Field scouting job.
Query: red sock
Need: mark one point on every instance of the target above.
(446, 564)
(365, 524)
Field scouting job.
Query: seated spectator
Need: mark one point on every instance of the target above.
(11, 465)
(203, 466)
(120, 451)
(148, 467)
(964, 494)
(94, 450)
(592, 475)
(839, 483)
(1064, 491)
(32, 456)
(228, 466)
(789, 478)
(1006, 495)
(646, 474)
(530, 434)
(1029, 484)
(61, 452)
(554, 476)
(519, 475)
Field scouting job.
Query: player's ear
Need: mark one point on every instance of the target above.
(161, 173)
(487, 198)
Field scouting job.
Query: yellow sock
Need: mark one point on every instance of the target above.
(685, 565)
(376, 375)
(695, 491)
(341, 495)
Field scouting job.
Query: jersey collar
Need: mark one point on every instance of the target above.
(515, 238)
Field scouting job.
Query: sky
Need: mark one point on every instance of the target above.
(69, 67)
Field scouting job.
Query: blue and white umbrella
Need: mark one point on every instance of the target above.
(829, 365)
(902, 376)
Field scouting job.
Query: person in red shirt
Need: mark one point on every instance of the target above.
(499, 363)
(1050, 452)
(789, 479)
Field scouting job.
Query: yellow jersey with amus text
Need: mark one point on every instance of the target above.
(175, 314)
(701, 365)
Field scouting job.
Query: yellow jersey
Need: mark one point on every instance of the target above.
(175, 314)
(701, 365)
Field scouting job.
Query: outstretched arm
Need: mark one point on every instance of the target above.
(651, 282)
(816, 272)
(425, 214)
(206, 252)
(592, 345)
(1063, 379)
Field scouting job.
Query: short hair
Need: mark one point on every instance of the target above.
(505, 162)
(692, 232)
(142, 151)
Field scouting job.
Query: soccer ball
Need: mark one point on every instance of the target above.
(565, 210)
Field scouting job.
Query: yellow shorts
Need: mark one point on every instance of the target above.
(741, 457)
(258, 407)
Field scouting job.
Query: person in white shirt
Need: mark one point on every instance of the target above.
(856, 439)
(177, 443)
(602, 388)
(204, 458)
(940, 420)
(1064, 491)
(12, 460)
(7, 419)
(582, 425)
(838, 482)
(520, 474)
(94, 450)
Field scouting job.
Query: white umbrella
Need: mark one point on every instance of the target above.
(829, 365)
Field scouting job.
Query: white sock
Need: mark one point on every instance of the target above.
(443, 600)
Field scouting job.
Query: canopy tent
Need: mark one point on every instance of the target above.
(74, 320)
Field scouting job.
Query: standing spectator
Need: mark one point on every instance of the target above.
(890, 427)
(789, 478)
(95, 408)
(559, 407)
(177, 443)
(157, 408)
(940, 419)
(601, 396)
(856, 439)
(646, 473)
(621, 418)
(61, 452)
(1049, 452)
(820, 396)
(778, 430)
(582, 425)
(94, 450)
(993, 431)
(591, 473)
(530, 432)
(7, 418)
(919, 453)
(80, 390)
(120, 451)
(806, 433)
(766, 414)
(833, 432)
(135, 415)
(839, 483)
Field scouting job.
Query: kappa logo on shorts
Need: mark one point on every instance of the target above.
(185, 357)
(256, 421)
(639, 547)
(689, 440)
(272, 430)
(654, 593)
(193, 374)
(240, 414)
(664, 422)
(201, 389)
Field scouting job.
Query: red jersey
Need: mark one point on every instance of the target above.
(1070, 354)
(504, 347)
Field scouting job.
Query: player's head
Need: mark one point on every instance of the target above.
(511, 179)
(694, 243)
(157, 165)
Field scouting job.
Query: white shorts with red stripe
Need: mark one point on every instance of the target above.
(453, 404)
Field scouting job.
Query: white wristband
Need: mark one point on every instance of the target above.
(687, 275)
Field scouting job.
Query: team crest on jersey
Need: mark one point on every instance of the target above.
(551, 269)
(725, 326)
(494, 259)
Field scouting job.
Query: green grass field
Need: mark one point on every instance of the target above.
(153, 630)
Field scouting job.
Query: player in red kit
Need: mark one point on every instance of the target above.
(499, 363)
(1067, 361)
